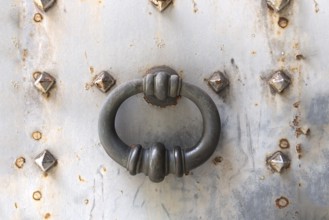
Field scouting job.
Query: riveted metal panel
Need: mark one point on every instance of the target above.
(76, 40)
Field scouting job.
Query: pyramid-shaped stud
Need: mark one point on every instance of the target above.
(45, 160)
(218, 81)
(44, 81)
(277, 5)
(104, 81)
(161, 5)
(279, 81)
(44, 5)
(278, 162)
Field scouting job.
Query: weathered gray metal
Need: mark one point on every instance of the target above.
(156, 161)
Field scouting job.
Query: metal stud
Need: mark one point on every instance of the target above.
(278, 161)
(45, 160)
(104, 81)
(44, 5)
(277, 5)
(161, 4)
(218, 81)
(43, 81)
(279, 81)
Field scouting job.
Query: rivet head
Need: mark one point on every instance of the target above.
(104, 81)
(161, 5)
(278, 161)
(279, 81)
(45, 160)
(218, 81)
(44, 81)
(277, 5)
(44, 5)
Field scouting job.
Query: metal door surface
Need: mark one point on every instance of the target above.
(272, 158)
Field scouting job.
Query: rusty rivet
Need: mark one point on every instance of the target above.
(283, 22)
(19, 163)
(104, 81)
(43, 81)
(45, 160)
(37, 17)
(37, 135)
(277, 5)
(44, 5)
(278, 162)
(284, 143)
(161, 5)
(217, 160)
(218, 81)
(279, 81)
(282, 202)
(37, 195)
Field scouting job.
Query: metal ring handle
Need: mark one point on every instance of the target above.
(156, 161)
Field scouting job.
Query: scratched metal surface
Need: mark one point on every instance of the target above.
(77, 39)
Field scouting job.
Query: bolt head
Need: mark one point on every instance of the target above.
(279, 81)
(161, 5)
(278, 162)
(218, 81)
(104, 81)
(45, 160)
(44, 82)
(44, 5)
(277, 5)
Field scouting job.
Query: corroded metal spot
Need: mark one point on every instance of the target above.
(278, 161)
(161, 4)
(19, 163)
(37, 17)
(218, 81)
(45, 160)
(277, 5)
(44, 5)
(37, 135)
(279, 81)
(283, 22)
(44, 81)
(282, 202)
(104, 81)
(284, 143)
(37, 195)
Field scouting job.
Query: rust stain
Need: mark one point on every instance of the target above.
(91, 69)
(284, 143)
(282, 202)
(16, 206)
(195, 6)
(296, 104)
(47, 216)
(37, 195)
(81, 179)
(300, 57)
(217, 160)
(296, 121)
(37, 17)
(25, 53)
(302, 130)
(316, 6)
(283, 22)
(299, 150)
(19, 163)
(37, 135)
